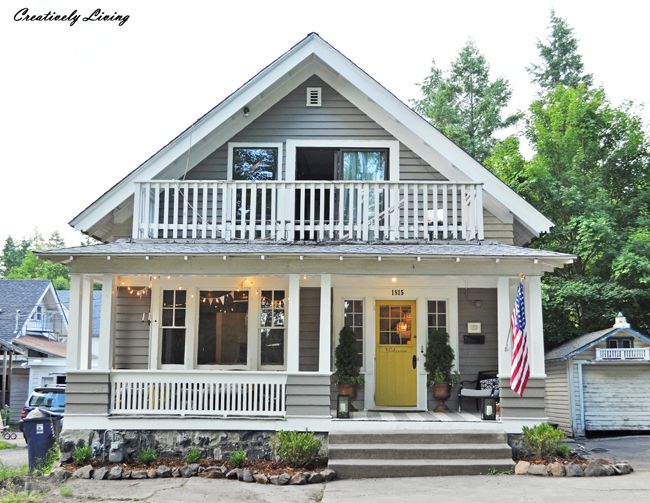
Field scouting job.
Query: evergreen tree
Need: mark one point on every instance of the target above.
(13, 254)
(464, 104)
(561, 63)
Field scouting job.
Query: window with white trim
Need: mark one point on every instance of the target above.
(272, 327)
(173, 327)
(353, 318)
(437, 315)
(620, 343)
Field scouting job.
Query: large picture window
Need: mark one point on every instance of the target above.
(255, 163)
(173, 327)
(223, 328)
(272, 327)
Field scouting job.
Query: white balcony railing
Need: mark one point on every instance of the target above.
(291, 211)
(623, 354)
(198, 393)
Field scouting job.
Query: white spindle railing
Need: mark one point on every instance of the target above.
(623, 354)
(198, 393)
(359, 211)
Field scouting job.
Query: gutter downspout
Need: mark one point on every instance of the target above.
(582, 395)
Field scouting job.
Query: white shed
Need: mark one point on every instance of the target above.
(600, 381)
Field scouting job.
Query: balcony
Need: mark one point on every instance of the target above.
(316, 211)
(642, 354)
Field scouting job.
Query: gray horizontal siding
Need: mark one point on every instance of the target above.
(531, 405)
(291, 119)
(87, 393)
(558, 409)
(309, 329)
(131, 335)
(308, 395)
(496, 230)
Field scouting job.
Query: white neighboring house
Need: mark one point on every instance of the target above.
(600, 381)
(33, 320)
(311, 198)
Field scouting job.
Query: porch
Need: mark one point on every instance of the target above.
(318, 211)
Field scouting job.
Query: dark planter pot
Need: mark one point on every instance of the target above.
(441, 392)
(348, 389)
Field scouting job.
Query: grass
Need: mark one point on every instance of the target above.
(6, 445)
(21, 497)
(8, 472)
(494, 471)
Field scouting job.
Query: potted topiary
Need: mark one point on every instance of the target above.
(438, 361)
(346, 361)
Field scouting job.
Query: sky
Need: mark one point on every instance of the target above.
(84, 105)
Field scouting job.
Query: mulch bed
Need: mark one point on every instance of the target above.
(255, 465)
(536, 460)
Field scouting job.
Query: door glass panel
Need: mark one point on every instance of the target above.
(395, 325)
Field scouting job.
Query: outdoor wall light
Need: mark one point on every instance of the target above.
(343, 406)
(247, 111)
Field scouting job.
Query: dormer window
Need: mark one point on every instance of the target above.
(620, 343)
(38, 314)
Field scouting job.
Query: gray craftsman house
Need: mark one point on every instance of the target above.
(311, 198)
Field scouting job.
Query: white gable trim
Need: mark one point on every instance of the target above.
(279, 78)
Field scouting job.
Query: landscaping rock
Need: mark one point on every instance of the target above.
(298, 479)
(260, 478)
(232, 474)
(247, 476)
(60, 474)
(314, 478)
(624, 468)
(190, 470)
(211, 475)
(201, 470)
(224, 469)
(139, 475)
(556, 470)
(328, 475)
(539, 470)
(65, 458)
(574, 470)
(519, 449)
(152, 474)
(116, 473)
(279, 480)
(609, 470)
(595, 469)
(84, 472)
(521, 468)
(126, 475)
(176, 473)
(164, 471)
(101, 473)
(56, 464)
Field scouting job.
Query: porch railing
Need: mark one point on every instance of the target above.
(623, 354)
(198, 393)
(290, 211)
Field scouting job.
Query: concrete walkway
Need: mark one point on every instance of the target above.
(15, 457)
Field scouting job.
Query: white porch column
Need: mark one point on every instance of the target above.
(504, 311)
(293, 324)
(535, 325)
(107, 323)
(325, 336)
(86, 332)
(74, 323)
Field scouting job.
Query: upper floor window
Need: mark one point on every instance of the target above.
(620, 343)
(38, 314)
(254, 162)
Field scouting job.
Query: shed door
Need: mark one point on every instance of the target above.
(617, 397)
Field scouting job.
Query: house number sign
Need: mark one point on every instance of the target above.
(397, 292)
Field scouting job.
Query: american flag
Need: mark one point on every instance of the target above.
(520, 367)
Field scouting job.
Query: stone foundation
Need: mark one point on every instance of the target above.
(177, 444)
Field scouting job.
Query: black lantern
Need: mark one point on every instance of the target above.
(343, 406)
(489, 411)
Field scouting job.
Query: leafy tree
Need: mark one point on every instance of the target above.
(33, 268)
(464, 104)
(561, 64)
(13, 254)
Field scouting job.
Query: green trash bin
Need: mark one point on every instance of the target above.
(41, 433)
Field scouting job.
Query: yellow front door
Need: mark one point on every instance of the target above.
(395, 372)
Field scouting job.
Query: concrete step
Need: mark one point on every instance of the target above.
(419, 437)
(380, 468)
(422, 451)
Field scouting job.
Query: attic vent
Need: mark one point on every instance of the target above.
(313, 96)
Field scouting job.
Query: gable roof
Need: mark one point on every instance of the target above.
(19, 294)
(64, 297)
(586, 341)
(315, 56)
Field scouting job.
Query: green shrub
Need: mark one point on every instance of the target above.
(543, 439)
(439, 358)
(563, 451)
(6, 416)
(147, 456)
(346, 359)
(237, 458)
(296, 448)
(194, 456)
(83, 454)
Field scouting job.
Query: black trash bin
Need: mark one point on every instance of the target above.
(41, 433)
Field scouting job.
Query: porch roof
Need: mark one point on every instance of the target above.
(175, 247)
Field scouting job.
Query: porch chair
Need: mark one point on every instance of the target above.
(486, 386)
